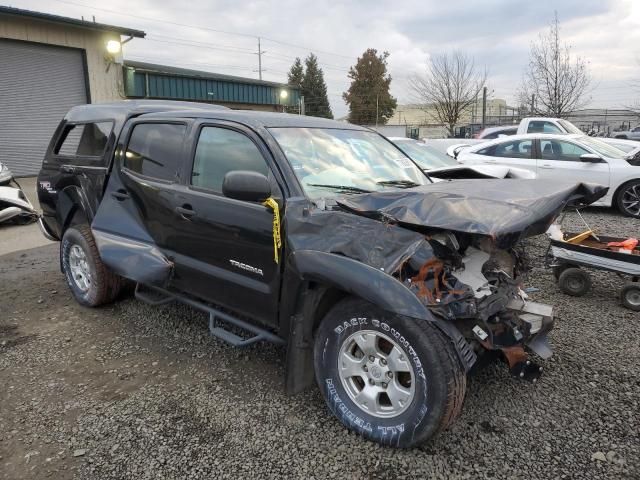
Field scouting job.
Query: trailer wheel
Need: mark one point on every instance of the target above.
(558, 269)
(630, 296)
(574, 281)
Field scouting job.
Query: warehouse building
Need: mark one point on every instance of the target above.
(49, 63)
(147, 80)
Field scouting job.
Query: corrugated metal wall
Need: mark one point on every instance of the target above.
(203, 89)
(38, 85)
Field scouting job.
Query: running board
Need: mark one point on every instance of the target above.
(217, 319)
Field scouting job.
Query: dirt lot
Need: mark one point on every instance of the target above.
(132, 391)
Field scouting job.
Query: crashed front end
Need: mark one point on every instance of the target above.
(466, 280)
(469, 265)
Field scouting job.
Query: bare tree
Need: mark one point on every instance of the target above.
(554, 83)
(448, 88)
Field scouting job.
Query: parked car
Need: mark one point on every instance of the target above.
(568, 157)
(439, 165)
(15, 207)
(308, 232)
(633, 134)
(490, 133)
(547, 125)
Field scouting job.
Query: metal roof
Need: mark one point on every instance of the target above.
(71, 21)
(167, 69)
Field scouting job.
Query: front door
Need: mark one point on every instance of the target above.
(560, 160)
(224, 251)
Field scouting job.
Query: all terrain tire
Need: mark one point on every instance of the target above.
(90, 281)
(394, 380)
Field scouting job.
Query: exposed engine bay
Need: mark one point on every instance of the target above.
(465, 279)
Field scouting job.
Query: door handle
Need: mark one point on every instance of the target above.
(120, 195)
(186, 211)
(547, 166)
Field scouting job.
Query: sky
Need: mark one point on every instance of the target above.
(222, 36)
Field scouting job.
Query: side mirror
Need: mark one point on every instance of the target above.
(590, 158)
(246, 185)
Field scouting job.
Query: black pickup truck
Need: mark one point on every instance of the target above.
(320, 235)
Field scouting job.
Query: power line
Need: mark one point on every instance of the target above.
(225, 32)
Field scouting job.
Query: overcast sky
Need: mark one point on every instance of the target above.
(497, 33)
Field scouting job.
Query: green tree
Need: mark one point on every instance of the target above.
(296, 74)
(314, 89)
(369, 93)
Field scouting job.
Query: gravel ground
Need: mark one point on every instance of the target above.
(132, 391)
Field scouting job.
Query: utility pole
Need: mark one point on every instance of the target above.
(533, 102)
(302, 112)
(260, 52)
(377, 110)
(484, 106)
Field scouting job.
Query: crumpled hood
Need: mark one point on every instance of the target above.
(507, 210)
(480, 171)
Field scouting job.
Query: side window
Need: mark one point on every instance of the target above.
(514, 149)
(87, 139)
(542, 127)
(155, 150)
(221, 150)
(487, 151)
(561, 150)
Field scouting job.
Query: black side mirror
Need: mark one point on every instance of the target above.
(590, 158)
(246, 185)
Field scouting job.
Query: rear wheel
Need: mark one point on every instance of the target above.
(574, 281)
(630, 296)
(89, 280)
(394, 380)
(628, 199)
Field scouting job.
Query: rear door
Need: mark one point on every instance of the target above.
(513, 153)
(560, 160)
(137, 219)
(224, 251)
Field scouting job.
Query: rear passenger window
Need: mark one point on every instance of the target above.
(85, 140)
(155, 150)
(542, 127)
(220, 151)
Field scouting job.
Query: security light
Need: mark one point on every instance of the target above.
(113, 47)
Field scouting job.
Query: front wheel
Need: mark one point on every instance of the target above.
(90, 281)
(628, 199)
(394, 380)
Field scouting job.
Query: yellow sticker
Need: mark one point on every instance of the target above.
(277, 241)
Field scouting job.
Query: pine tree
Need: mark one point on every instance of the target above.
(370, 85)
(296, 74)
(314, 89)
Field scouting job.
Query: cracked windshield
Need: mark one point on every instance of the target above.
(331, 161)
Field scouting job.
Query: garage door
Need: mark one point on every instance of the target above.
(38, 85)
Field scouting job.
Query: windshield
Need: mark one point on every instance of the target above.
(334, 161)
(602, 148)
(425, 156)
(624, 146)
(570, 127)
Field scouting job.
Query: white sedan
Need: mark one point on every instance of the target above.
(439, 165)
(571, 157)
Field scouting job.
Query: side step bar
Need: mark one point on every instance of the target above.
(217, 319)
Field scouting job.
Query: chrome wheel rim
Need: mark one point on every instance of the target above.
(631, 200)
(376, 374)
(79, 268)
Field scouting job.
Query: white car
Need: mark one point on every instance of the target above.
(438, 165)
(571, 157)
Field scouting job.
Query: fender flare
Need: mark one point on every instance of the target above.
(366, 282)
(70, 200)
